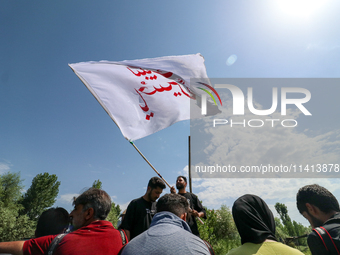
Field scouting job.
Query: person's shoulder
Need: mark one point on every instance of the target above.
(190, 242)
(136, 201)
(185, 235)
(95, 225)
(101, 223)
(334, 221)
(236, 251)
(135, 245)
(194, 195)
(284, 248)
(189, 195)
(312, 235)
(313, 239)
(97, 228)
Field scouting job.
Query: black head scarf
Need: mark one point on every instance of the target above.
(254, 220)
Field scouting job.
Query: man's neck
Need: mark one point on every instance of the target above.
(88, 222)
(329, 215)
(182, 191)
(93, 221)
(146, 198)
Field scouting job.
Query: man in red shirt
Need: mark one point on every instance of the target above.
(92, 234)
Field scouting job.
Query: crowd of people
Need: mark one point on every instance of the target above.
(169, 227)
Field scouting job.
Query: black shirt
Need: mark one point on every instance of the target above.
(138, 216)
(315, 243)
(195, 204)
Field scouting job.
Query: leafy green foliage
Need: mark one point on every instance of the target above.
(12, 226)
(281, 233)
(288, 231)
(41, 195)
(114, 214)
(97, 184)
(287, 222)
(10, 189)
(219, 230)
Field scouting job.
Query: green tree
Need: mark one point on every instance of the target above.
(301, 230)
(219, 230)
(287, 222)
(114, 214)
(97, 184)
(12, 225)
(281, 232)
(10, 189)
(41, 195)
(290, 229)
(207, 229)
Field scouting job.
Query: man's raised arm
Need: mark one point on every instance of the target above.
(15, 248)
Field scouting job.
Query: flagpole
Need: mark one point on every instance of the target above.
(189, 166)
(189, 170)
(150, 164)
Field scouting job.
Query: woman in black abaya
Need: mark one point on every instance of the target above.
(256, 226)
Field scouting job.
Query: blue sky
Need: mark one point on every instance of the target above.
(51, 123)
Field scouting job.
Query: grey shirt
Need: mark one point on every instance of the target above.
(167, 235)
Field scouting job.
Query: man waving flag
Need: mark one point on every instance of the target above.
(147, 95)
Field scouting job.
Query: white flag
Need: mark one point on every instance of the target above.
(143, 96)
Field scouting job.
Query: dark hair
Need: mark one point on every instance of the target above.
(317, 196)
(173, 203)
(183, 177)
(155, 182)
(97, 199)
(53, 221)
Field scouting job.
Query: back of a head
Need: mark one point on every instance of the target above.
(317, 196)
(52, 222)
(155, 182)
(254, 220)
(173, 203)
(97, 199)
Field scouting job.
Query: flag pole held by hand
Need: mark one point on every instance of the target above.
(197, 217)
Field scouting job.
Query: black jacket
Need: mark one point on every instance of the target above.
(315, 243)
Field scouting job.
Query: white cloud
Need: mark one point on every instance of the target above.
(255, 146)
(250, 146)
(184, 172)
(67, 198)
(4, 167)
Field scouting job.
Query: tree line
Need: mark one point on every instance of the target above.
(19, 212)
(220, 230)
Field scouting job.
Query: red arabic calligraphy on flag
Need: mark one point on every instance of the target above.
(143, 96)
(152, 85)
